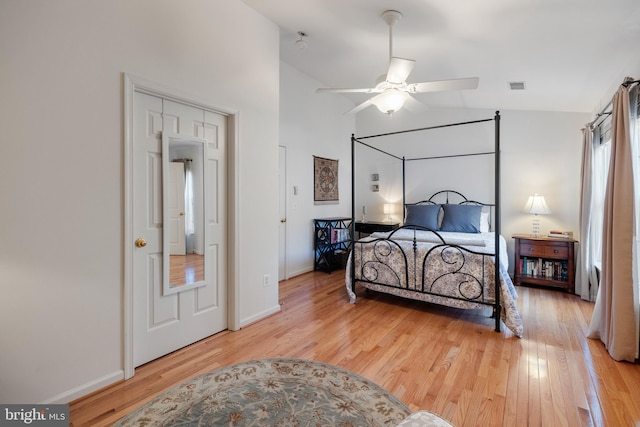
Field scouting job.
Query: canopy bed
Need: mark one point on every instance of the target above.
(446, 250)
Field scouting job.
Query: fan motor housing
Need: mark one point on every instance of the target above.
(391, 17)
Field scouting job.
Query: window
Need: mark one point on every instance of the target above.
(601, 157)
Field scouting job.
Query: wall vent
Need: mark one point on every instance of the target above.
(516, 85)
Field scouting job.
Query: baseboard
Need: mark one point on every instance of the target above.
(299, 272)
(266, 313)
(85, 389)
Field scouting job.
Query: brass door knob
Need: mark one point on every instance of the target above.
(140, 242)
(283, 219)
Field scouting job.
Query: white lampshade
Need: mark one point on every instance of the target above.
(389, 101)
(536, 205)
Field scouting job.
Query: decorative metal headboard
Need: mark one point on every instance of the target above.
(445, 197)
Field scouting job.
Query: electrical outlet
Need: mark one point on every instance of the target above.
(266, 280)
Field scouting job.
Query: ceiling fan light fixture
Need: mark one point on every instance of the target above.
(389, 101)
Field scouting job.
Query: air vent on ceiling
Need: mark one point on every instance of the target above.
(516, 85)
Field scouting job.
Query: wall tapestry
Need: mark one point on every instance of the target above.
(325, 180)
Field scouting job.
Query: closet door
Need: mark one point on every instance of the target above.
(164, 323)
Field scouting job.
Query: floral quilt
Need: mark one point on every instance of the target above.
(414, 265)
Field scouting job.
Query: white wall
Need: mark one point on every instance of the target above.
(61, 170)
(311, 124)
(541, 153)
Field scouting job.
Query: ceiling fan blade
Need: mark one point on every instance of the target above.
(359, 107)
(399, 69)
(346, 90)
(413, 104)
(440, 85)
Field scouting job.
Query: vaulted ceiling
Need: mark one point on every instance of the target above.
(569, 53)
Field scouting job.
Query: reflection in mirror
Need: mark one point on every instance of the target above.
(183, 181)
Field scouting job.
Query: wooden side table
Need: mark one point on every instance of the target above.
(545, 261)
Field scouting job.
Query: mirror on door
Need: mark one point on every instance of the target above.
(184, 172)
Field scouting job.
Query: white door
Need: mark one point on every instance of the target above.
(164, 323)
(175, 223)
(282, 236)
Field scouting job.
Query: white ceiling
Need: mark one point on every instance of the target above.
(569, 53)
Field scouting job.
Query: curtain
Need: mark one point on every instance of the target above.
(634, 132)
(189, 210)
(616, 312)
(586, 277)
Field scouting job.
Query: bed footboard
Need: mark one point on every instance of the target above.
(448, 274)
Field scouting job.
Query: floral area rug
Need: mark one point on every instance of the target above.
(273, 392)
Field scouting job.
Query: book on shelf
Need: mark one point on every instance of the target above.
(561, 234)
(544, 268)
(340, 235)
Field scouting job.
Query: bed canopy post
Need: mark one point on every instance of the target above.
(497, 217)
(353, 183)
(404, 192)
(352, 226)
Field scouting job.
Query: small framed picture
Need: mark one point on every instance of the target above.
(375, 188)
(374, 177)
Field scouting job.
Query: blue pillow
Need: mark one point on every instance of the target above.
(424, 215)
(461, 218)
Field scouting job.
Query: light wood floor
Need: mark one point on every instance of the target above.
(444, 360)
(186, 269)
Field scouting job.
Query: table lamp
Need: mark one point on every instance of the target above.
(388, 210)
(536, 205)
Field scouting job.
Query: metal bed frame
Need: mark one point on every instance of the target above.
(427, 288)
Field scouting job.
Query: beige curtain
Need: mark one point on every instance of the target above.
(614, 319)
(586, 277)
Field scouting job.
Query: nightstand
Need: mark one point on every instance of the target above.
(544, 261)
(373, 226)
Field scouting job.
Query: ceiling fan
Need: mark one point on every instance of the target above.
(393, 92)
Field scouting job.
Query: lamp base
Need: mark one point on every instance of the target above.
(536, 226)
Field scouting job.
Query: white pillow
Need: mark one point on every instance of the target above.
(484, 221)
